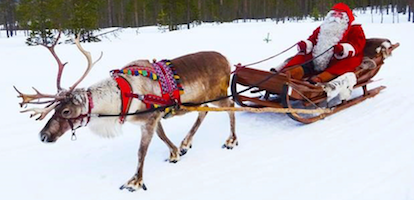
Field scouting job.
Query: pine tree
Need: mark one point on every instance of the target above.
(75, 16)
(39, 17)
(315, 14)
(84, 19)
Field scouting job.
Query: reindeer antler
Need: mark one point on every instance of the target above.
(53, 99)
(61, 94)
(60, 65)
(90, 63)
(28, 98)
(41, 111)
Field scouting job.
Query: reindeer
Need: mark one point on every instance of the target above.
(204, 76)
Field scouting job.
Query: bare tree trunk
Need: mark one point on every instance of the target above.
(12, 19)
(221, 11)
(188, 14)
(121, 18)
(245, 10)
(382, 16)
(393, 13)
(8, 14)
(110, 24)
(199, 9)
(144, 13)
(372, 14)
(136, 13)
(6, 25)
(156, 10)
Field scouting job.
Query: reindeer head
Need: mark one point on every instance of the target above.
(69, 105)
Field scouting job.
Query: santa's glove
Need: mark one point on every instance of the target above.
(339, 50)
(302, 46)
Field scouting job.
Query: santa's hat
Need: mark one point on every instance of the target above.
(341, 7)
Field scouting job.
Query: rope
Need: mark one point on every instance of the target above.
(217, 99)
(271, 75)
(304, 63)
(257, 110)
(306, 98)
(271, 57)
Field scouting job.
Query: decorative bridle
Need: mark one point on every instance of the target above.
(53, 101)
(81, 117)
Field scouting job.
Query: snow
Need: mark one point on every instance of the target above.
(364, 152)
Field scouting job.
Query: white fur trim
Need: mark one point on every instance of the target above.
(349, 50)
(280, 67)
(309, 46)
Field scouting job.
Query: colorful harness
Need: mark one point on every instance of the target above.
(163, 72)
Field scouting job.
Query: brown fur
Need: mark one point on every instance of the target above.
(204, 76)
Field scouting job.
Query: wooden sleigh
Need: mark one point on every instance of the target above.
(283, 92)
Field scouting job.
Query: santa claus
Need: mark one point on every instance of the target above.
(338, 31)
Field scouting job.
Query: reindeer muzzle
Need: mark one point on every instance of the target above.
(44, 137)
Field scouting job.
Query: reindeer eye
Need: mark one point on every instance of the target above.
(66, 112)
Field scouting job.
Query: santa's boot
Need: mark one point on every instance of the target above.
(323, 77)
(296, 72)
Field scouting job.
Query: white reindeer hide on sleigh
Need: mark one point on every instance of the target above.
(341, 86)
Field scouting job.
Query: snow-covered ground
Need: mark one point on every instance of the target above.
(364, 152)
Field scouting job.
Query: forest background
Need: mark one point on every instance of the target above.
(40, 17)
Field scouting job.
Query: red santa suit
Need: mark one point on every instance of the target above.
(350, 41)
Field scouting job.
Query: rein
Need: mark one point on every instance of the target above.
(240, 66)
(175, 105)
(271, 57)
(276, 72)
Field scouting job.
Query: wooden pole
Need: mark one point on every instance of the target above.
(256, 110)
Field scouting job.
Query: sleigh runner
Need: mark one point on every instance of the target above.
(281, 91)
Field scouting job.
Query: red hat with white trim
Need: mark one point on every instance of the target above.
(342, 7)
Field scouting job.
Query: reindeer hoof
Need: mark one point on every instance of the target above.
(183, 152)
(230, 144)
(173, 160)
(184, 149)
(133, 185)
(174, 156)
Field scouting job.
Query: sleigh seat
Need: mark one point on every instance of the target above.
(294, 93)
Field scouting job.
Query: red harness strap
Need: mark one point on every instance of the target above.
(168, 80)
(126, 98)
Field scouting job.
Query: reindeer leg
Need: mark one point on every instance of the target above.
(174, 152)
(147, 132)
(186, 144)
(231, 142)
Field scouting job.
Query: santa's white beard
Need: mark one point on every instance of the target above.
(331, 32)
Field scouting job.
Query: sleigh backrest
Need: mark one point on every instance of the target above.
(375, 52)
